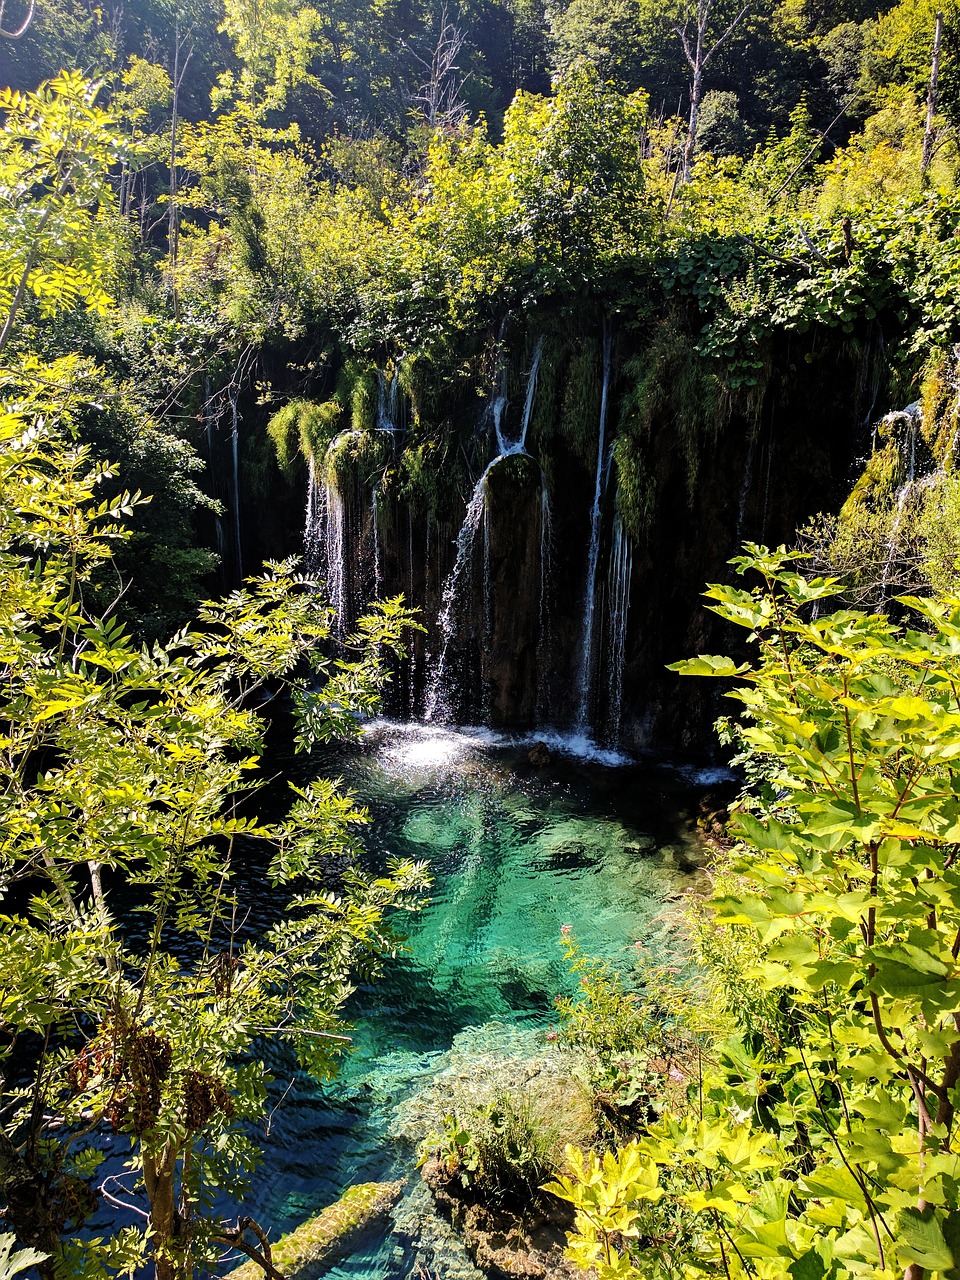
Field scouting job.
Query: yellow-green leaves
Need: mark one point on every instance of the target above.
(829, 1153)
(122, 766)
(606, 1194)
(275, 41)
(58, 235)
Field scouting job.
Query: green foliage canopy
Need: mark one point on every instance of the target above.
(832, 1153)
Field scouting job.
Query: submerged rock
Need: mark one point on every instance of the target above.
(519, 1234)
(306, 1253)
(440, 1251)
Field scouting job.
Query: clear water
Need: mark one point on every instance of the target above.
(515, 851)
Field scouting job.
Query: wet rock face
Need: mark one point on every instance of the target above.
(556, 530)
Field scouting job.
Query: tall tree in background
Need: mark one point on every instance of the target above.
(700, 44)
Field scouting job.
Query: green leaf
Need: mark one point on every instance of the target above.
(920, 1239)
(709, 665)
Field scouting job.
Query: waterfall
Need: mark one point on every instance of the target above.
(235, 453)
(375, 534)
(387, 401)
(221, 544)
(497, 409)
(210, 422)
(531, 392)
(208, 419)
(545, 645)
(487, 593)
(902, 495)
(315, 522)
(620, 574)
(505, 446)
(766, 490)
(590, 594)
(745, 487)
(438, 694)
(438, 700)
(911, 416)
(336, 547)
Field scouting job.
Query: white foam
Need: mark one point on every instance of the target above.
(431, 745)
(710, 776)
(415, 746)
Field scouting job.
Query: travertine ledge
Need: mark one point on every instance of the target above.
(306, 1253)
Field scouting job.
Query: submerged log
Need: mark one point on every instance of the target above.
(308, 1251)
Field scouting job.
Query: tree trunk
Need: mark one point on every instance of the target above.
(173, 226)
(696, 97)
(933, 94)
(159, 1179)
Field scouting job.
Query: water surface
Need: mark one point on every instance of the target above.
(516, 851)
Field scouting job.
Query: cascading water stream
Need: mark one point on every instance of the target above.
(746, 486)
(545, 645)
(387, 401)
(903, 494)
(912, 416)
(210, 423)
(507, 448)
(375, 535)
(235, 453)
(439, 695)
(314, 522)
(766, 489)
(336, 548)
(585, 682)
(620, 575)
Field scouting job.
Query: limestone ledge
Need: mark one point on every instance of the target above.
(308, 1251)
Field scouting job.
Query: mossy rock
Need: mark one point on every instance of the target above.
(303, 429)
(315, 1246)
(940, 406)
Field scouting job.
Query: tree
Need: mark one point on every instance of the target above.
(129, 764)
(275, 41)
(628, 42)
(933, 93)
(57, 239)
(575, 163)
(828, 1146)
(897, 54)
(700, 45)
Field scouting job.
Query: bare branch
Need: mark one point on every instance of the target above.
(233, 1236)
(729, 32)
(687, 51)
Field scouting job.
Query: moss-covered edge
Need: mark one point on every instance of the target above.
(320, 1241)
